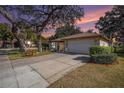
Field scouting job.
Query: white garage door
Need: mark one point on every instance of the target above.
(80, 46)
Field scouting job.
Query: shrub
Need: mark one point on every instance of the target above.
(31, 52)
(104, 58)
(119, 50)
(100, 50)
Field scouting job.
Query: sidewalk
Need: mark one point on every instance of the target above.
(11, 77)
(7, 74)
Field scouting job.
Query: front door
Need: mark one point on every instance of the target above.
(61, 46)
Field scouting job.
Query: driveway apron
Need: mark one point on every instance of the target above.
(37, 72)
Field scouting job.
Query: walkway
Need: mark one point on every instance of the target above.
(37, 72)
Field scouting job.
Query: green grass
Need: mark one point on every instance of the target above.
(16, 54)
(94, 76)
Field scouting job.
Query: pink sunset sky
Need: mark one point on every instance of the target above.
(92, 14)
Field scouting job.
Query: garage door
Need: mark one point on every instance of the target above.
(80, 46)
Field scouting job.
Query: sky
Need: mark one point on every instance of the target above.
(91, 14)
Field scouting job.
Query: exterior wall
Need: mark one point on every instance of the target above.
(80, 45)
(103, 43)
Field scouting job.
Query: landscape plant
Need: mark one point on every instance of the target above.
(102, 55)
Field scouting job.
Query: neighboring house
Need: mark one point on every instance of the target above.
(8, 44)
(80, 43)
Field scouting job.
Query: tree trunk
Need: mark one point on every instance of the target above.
(39, 44)
(39, 41)
(22, 45)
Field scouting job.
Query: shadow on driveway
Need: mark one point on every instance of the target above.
(83, 59)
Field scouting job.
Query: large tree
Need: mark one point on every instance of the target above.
(44, 17)
(112, 22)
(13, 19)
(112, 25)
(66, 31)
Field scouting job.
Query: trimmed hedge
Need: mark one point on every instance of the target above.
(100, 50)
(104, 58)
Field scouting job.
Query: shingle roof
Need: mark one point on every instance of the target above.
(81, 35)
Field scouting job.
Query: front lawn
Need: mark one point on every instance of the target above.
(94, 75)
(16, 54)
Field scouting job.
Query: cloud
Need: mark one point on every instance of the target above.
(91, 17)
(94, 15)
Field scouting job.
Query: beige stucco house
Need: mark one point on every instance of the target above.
(80, 43)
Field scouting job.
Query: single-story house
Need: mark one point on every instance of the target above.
(80, 43)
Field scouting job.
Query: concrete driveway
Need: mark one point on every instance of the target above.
(38, 72)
